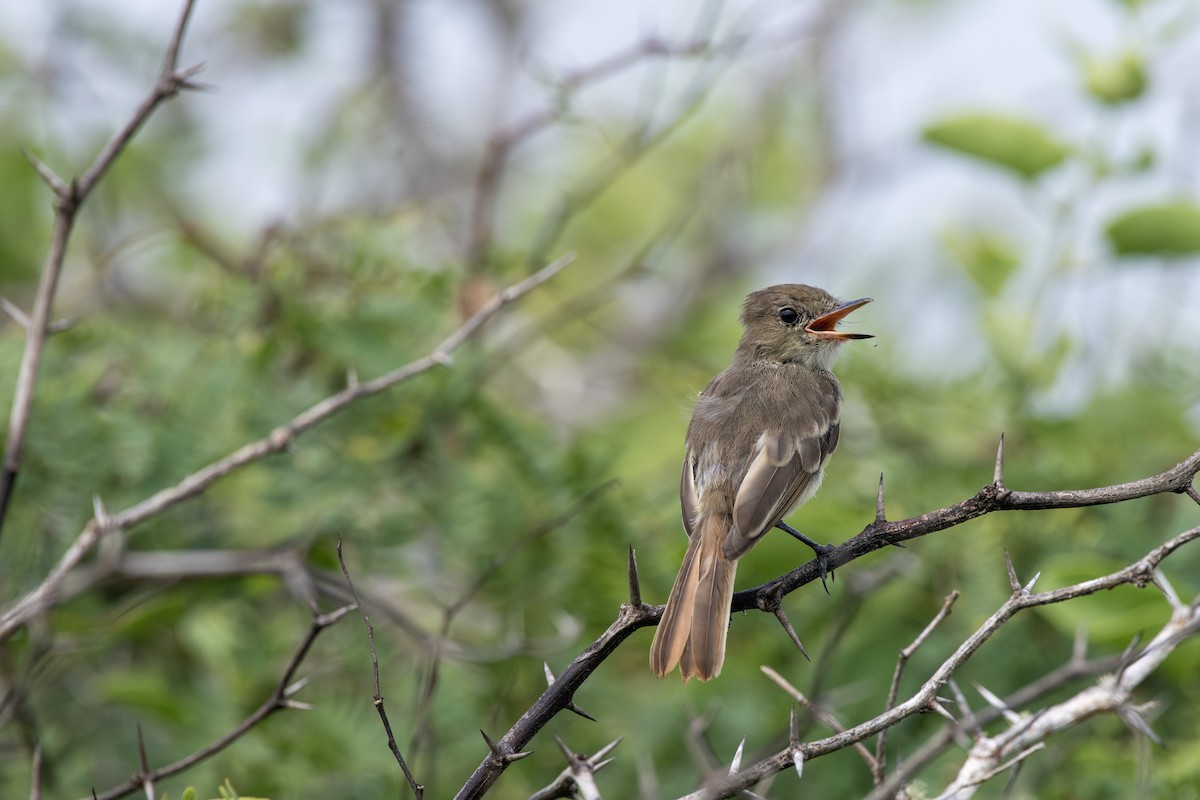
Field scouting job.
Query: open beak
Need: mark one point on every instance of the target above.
(825, 326)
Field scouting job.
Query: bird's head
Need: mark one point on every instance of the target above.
(792, 322)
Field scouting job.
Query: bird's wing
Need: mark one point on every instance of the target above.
(689, 503)
(785, 471)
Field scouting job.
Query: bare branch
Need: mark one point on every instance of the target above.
(987, 500)
(820, 713)
(988, 753)
(68, 197)
(46, 594)
(418, 789)
(901, 662)
(557, 697)
(278, 700)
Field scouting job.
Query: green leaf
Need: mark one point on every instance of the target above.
(988, 258)
(1161, 230)
(1015, 144)
(1116, 80)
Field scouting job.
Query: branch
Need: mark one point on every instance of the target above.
(68, 198)
(46, 595)
(1184, 623)
(991, 498)
(560, 695)
(417, 789)
(286, 688)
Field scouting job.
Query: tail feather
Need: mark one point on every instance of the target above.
(692, 631)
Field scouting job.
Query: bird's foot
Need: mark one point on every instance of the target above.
(822, 551)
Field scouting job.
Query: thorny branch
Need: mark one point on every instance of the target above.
(877, 534)
(989, 757)
(68, 199)
(282, 697)
(278, 440)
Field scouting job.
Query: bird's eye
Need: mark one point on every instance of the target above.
(788, 316)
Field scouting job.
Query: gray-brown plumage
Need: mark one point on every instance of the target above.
(756, 448)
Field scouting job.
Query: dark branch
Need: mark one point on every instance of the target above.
(281, 698)
(874, 536)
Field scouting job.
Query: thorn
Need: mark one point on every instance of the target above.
(791, 632)
(14, 312)
(298, 705)
(56, 184)
(99, 512)
(574, 709)
(295, 688)
(794, 727)
(608, 748)
(1128, 656)
(998, 474)
(1012, 573)
(142, 750)
(798, 761)
(736, 764)
(571, 757)
(968, 715)
(937, 708)
(1027, 588)
(1164, 586)
(64, 324)
(880, 517)
(442, 359)
(500, 755)
(571, 706)
(1079, 646)
(635, 588)
(1133, 718)
(998, 704)
(1192, 493)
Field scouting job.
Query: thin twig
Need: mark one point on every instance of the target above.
(417, 788)
(68, 198)
(1184, 623)
(821, 714)
(280, 698)
(874, 536)
(46, 595)
(901, 662)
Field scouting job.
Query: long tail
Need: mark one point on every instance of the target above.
(692, 630)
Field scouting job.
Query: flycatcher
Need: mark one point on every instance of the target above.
(756, 448)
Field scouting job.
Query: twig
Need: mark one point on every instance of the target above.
(987, 500)
(68, 198)
(451, 611)
(45, 595)
(1075, 668)
(821, 714)
(901, 663)
(1184, 623)
(874, 536)
(500, 147)
(418, 789)
(280, 698)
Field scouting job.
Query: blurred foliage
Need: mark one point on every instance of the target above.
(1167, 229)
(1024, 147)
(1117, 79)
(179, 358)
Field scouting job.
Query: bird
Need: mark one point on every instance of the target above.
(760, 435)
